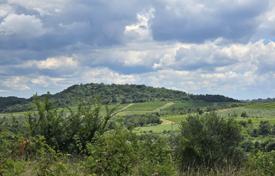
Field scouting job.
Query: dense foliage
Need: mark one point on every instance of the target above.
(208, 141)
(131, 121)
(108, 94)
(91, 140)
(7, 102)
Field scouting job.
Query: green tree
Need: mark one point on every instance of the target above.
(264, 128)
(208, 141)
(70, 130)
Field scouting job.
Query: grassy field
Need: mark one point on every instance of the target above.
(157, 128)
(143, 108)
(256, 112)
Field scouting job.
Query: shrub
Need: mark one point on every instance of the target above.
(113, 153)
(270, 146)
(264, 128)
(69, 131)
(208, 141)
(264, 162)
(131, 121)
(155, 156)
(12, 167)
(244, 114)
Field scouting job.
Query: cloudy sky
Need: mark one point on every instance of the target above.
(198, 46)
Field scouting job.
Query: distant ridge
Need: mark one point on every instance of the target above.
(109, 93)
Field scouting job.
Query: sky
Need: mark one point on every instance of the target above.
(197, 46)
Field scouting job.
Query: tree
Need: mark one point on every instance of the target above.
(69, 130)
(244, 114)
(209, 141)
(264, 128)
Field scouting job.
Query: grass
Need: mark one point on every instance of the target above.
(252, 112)
(257, 112)
(174, 118)
(256, 121)
(147, 106)
(158, 128)
(266, 106)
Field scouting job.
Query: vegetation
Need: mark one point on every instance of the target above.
(153, 138)
(208, 141)
(76, 94)
(132, 121)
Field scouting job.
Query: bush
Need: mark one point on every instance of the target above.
(112, 154)
(69, 131)
(264, 128)
(264, 162)
(12, 167)
(244, 114)
(155, 156)
(131, 121)
(208, 141)
(120, 152)
(270, 146)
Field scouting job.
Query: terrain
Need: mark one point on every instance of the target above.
(84, 129)
(108, 94)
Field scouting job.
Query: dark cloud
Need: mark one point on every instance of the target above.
(158, 42)
(230, 20)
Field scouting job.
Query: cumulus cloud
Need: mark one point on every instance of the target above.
(22, 26)
(100, 75)
(16, 83)
(141, 30)
(198, 21)
(224, 47)
(5, 9)
(52, 63)
(43, 7)
(57, 63)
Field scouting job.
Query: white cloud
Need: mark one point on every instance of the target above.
(141, 30)
(5, 9)
(46, 81)
(19, 83)
(22, 26)
(105, 75)
(43, 7)
(58, 62)
(53, 63)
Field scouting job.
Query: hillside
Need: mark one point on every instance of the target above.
(109, 94)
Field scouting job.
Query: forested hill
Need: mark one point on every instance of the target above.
(109, 94)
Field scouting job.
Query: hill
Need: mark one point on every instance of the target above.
(113, 93)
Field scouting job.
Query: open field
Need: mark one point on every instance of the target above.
(256, 112)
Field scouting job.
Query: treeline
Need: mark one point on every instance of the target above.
(11, 103)
(213, 98)
(88, 142)
(108, 94)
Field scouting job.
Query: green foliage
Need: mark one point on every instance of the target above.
(69, 131)
(208, 141)
(155, 156)
(108, 94)
(264, 162)
(6, 102)
(12, 167)
(121, 152)
(264, 128)
(112, 154)
(8, 145)
(131, 121)
(87, 140)
(244, 114)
